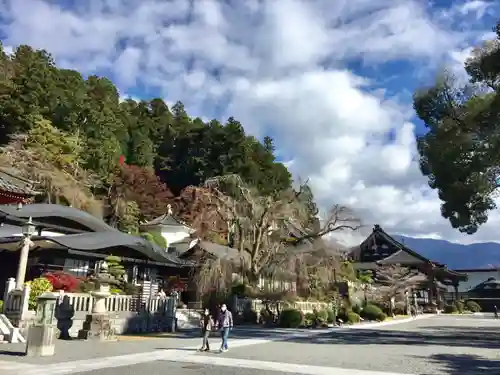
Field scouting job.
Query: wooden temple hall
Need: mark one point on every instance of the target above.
(380, 249)
(70, 240)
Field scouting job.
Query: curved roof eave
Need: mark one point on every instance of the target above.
(45, 210)
(95, 241)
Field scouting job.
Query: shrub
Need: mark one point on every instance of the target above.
(472, 306)
(331, 316)
(116, 291)
(38, 287)
(460, 306)
(382, 317)
(85, 286)
(290, 318)
(249, 316)
(357, 309)
(115, 267)
(372, 312)
(342, 314)
(266, 316)
(321, 317)
(309, 319)
(450, 309)
(1, 306)
(62, 281)
(352, 317)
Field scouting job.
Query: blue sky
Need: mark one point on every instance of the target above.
(331, 81)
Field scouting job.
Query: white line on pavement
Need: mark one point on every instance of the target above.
(71, 367)
(276, 366)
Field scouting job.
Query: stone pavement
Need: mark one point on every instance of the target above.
(440, 345)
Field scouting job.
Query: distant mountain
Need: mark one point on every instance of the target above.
(455, 256)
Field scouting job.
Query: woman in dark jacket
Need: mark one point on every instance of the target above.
(206, 328)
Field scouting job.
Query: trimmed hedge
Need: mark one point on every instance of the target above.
(372, 312)
(290, 318)
(331, 316)
(321, 317)
(352, 317)
(460, 306)
(450, 309)
(472, 306)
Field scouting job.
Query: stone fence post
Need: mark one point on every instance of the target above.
(9, 286)
(25, 301)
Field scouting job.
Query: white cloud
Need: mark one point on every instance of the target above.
(281, 68)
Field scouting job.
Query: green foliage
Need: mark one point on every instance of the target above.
(290, 318)
(127, 216)
(352, 317)
(472, 306)
(321, 317)
(450, 309)
(92, 129)
(459, 153)
(309, 319)
(155, 238)
(115, 267)
(1, 306)
(331, 316)
(116, 291)
(372, 312)
(357, 309)
(460, 306)
(38, 287)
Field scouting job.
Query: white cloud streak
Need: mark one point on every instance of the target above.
(282, 68)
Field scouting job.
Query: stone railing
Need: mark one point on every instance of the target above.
(257, 305)
(16, 303)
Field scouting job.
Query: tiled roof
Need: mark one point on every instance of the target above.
(165, 219)
(9, 183)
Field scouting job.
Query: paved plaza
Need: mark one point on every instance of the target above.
(431, 346)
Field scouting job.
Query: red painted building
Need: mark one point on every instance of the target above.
(14, 189)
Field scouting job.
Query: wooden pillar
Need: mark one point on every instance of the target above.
(456, 297)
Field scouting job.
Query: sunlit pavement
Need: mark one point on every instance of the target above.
(464, 345)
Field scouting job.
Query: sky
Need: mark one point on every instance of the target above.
(330, 80)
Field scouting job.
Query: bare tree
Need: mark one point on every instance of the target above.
(271, 233)
(392, 282)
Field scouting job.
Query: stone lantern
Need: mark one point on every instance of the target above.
(98, 324)
(42, 334)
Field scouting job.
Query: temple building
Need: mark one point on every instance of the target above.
(14, 189)
(380, 249)
(70, 240)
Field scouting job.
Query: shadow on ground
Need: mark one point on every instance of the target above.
(487, 338)
(239, 332)
(464, 364)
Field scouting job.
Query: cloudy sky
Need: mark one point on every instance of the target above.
(330, 80)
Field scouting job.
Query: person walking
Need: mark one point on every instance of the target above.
(206, 328)
(495, 310)
(225, 324)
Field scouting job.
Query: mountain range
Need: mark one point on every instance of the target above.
(454, 255)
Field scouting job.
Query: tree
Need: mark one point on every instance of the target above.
(140, 185)
(270, 232)
(460, 153)
(391, 283)
(366, 279)
(51, 159)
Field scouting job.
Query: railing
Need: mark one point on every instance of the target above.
(16, 303)
(257, 305)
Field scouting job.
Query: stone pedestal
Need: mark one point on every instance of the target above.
(41, 341)
(97, 327)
